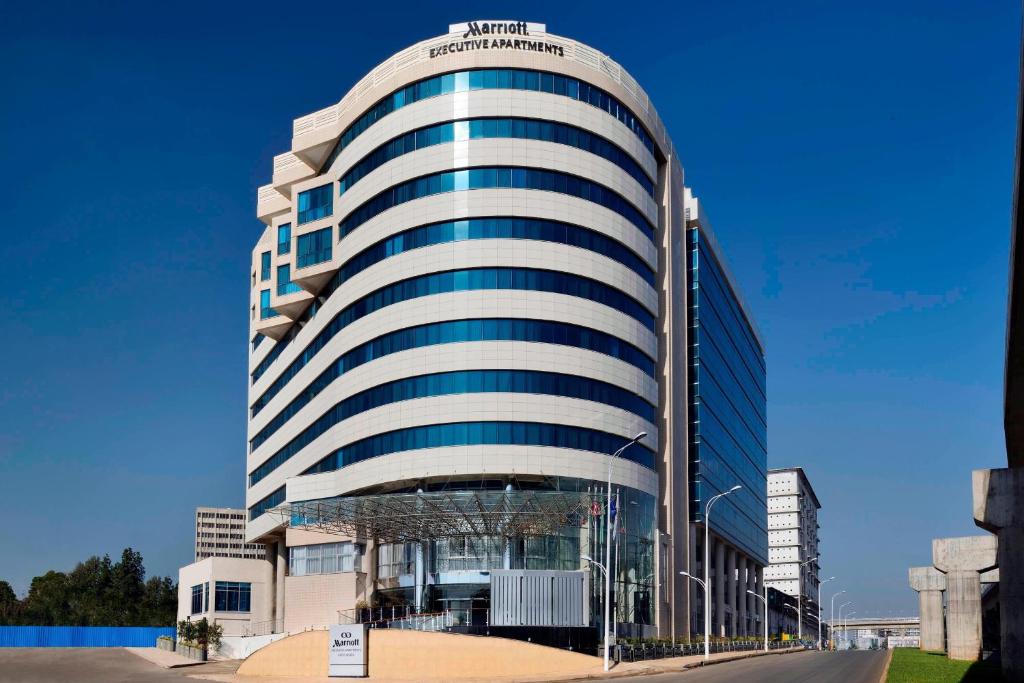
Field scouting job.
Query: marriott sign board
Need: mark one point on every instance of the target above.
(346, 650)
(496, 35)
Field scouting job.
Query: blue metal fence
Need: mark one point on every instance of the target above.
(82, 636)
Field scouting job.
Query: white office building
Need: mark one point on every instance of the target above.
(220, 532)
(480, 274)
(793, 539)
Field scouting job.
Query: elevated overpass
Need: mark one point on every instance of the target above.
(883, 626)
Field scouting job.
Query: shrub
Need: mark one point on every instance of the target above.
(200, 633)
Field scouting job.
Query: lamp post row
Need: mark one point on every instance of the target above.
(706, 583)
(605, 567)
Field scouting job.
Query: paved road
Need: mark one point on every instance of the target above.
(804, 667)
(87, 665)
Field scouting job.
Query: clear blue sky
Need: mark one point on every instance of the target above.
(856, 161)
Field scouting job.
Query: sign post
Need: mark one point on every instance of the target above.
(346, 650)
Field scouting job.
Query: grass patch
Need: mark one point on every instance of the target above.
(913, 666)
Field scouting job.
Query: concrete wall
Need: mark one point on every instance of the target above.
(396, 655)
(240, 647)
(313, 601)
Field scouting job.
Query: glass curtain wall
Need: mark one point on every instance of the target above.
(454, 565)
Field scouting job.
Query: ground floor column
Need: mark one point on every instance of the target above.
(741, 596)
(730, 587)
(718, 625)
(752, 601)
(279, 573)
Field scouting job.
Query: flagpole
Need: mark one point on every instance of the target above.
(615, 616)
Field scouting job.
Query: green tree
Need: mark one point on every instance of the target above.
(47, 601)
(160, 604)
(128, 588)
(9, 605)
(90, 596)
(97, 592)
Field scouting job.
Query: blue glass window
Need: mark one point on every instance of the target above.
(265, 310)
(728, 415)
(315, 203)
(232, 596)
(484, 128)
(256, 341)
(494, 228)
(270, 501)
(444, 384)
(470, 280)
(284, 238)
(482, 433)
(452, 332)
(284, 281)
(264, 266)
(496, 177)
(200, 598)
(486, 79)
(453, 231)
(313, 247)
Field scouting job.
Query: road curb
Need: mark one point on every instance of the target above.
(748, 655)
(650, 671)
(885, 671)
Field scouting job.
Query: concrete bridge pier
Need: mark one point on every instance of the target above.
(999, 508)
(962, 560)
(929, 583)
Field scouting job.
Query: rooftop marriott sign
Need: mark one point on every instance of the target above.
(496, 35)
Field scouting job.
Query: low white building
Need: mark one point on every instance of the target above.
(235, 593)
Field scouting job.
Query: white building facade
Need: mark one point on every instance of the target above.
(220, 532)
(476, 282)
(237, 594)
(793, 539)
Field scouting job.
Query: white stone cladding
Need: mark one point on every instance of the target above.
(305, 601)
(792, 534)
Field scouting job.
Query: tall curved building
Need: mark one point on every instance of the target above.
(481, 275)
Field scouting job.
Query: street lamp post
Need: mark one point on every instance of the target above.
(848, 602)
(702, 585)
(799, 597)
(707, 570)
(765, 601)
(787, 605)
(832, 618)
(608, 548)
(831, 578)
(846, 632)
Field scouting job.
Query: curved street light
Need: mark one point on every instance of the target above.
(799, 597)
(608, 548)
(848, 602)
(820, 583)
(846, 633)
(707, 571)
(765, 601)
(832, 618)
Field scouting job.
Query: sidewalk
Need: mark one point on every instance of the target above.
(163, 658)
(669, 664)
(623, 670)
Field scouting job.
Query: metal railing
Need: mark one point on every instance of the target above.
(263, 628)
(636, 652)
(408, 617)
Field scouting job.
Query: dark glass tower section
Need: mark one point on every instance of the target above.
(728, 428)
